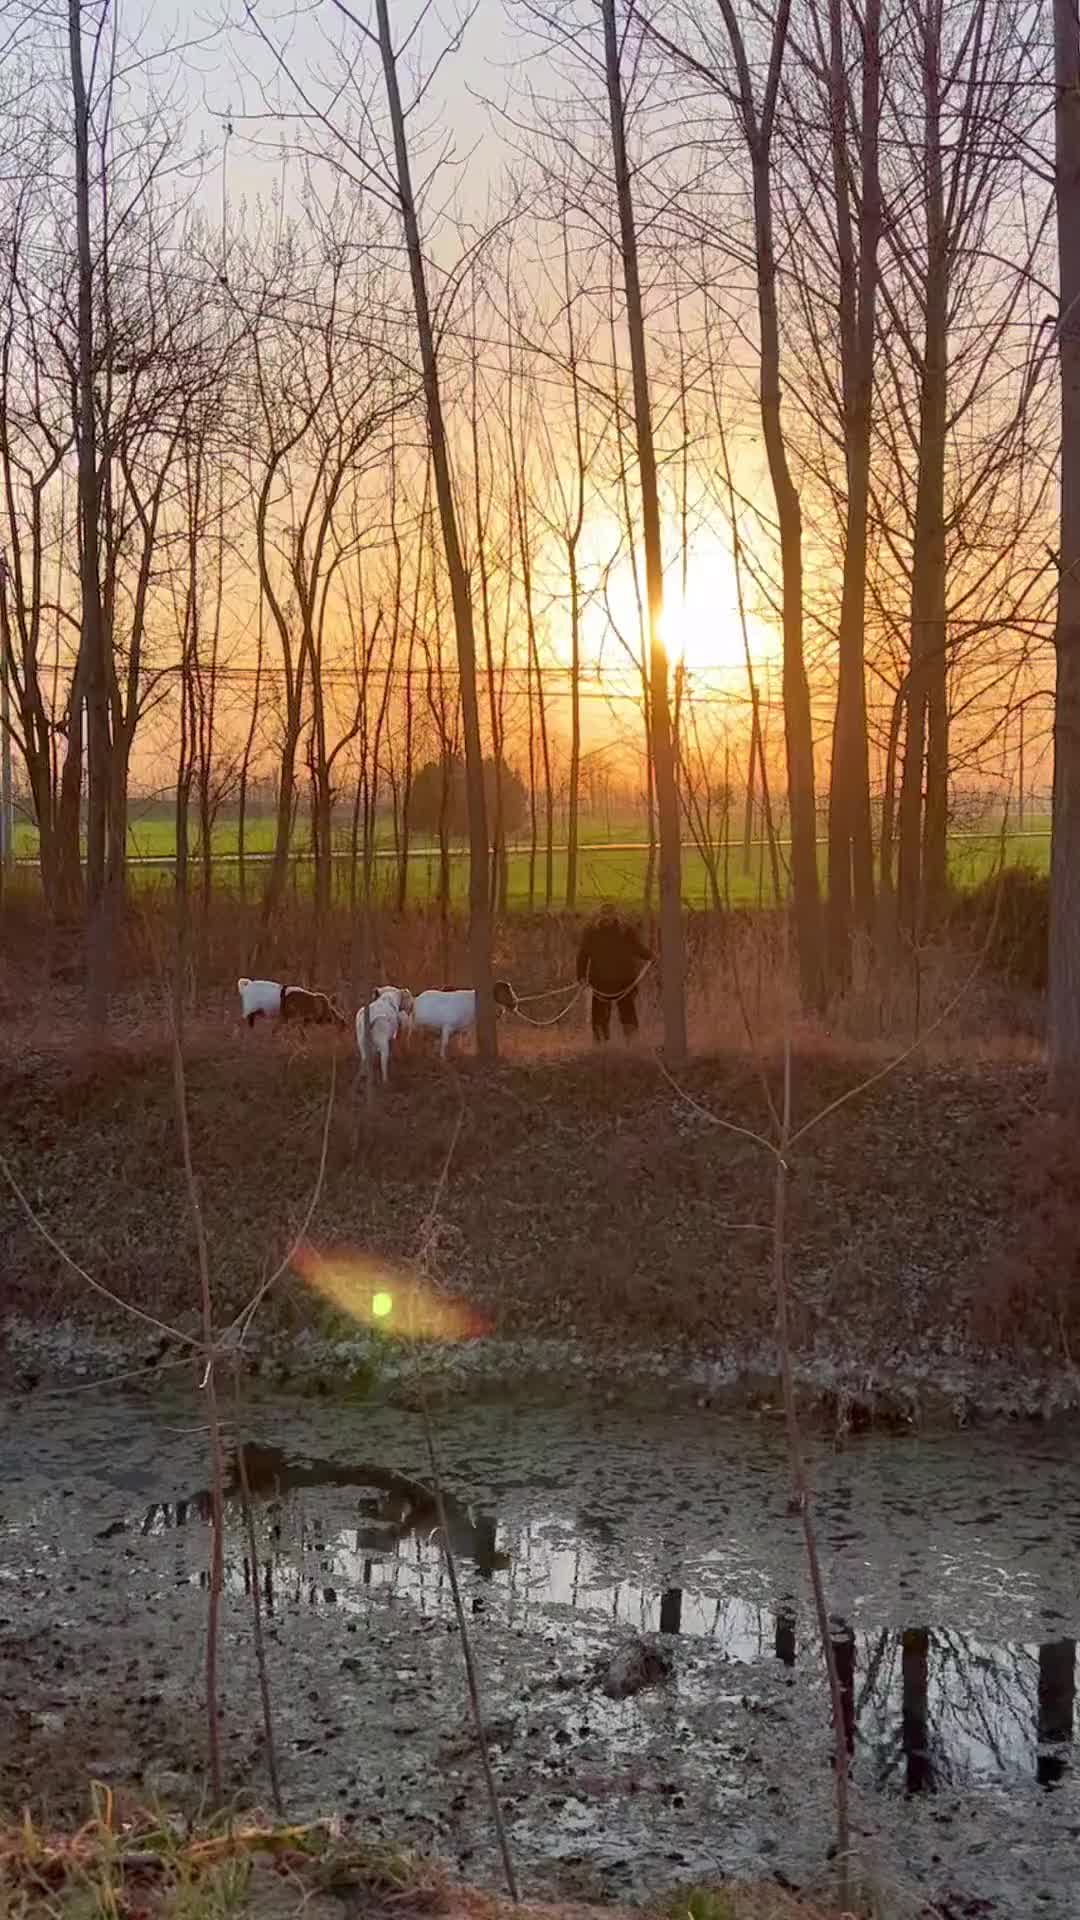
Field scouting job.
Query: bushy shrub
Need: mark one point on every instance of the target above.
(1011, 910)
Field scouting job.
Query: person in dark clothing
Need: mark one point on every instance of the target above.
(610, 958)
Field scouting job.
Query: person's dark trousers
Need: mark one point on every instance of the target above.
(601, 1015)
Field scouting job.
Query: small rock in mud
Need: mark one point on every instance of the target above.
(632, 1669)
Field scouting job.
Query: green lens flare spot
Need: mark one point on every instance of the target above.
(381, 1305)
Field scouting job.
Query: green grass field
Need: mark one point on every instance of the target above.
(608, 868)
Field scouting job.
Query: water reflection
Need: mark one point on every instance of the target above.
(915, 1709)
(393, 1507)
(924, 1709)
(784, 1635)
(1057, 1707)
(843, 1644)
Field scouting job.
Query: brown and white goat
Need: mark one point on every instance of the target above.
(309, 1008)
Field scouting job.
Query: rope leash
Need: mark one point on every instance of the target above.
(624, 992)
(526, 999)
(576, 989)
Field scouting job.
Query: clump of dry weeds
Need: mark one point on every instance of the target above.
(134, 1863)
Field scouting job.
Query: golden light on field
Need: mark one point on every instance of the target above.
(397, 1301)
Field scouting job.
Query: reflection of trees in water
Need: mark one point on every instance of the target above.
(929, 1708)
(784, 1635)
(671, 1610)
(941, 1708)
(936, 1708)
(394, 1513)
(1056, 1708)
(843, 1640)
(915, 1730)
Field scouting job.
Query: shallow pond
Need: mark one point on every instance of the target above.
(950, 1566)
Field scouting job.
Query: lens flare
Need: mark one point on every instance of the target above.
(395, 1301)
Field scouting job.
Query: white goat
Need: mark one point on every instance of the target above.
(259, 999)
(402, 999)
(454, 1011)
(381, 1021)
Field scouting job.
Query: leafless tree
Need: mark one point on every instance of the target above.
(707, 56)
(837, 218)
(960, 102)
(36, 437)
(90, 671)
(323, 394)
(561, 503)
(1064, 1006)
(673, 961)
(520, 428)
(460, 591)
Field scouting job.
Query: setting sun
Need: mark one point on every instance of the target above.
(702, 629)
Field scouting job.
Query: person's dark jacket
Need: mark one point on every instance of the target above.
(611, 955)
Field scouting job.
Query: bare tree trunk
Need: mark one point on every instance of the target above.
(521, 501)
(69, 872)
(92, 634)
(245, 764)
(888, 806)
(672, 951)
(751, 767)
(479, 912)
(573, 796)
(534, 838)
(797, 720)
(444, 861)
(186, 765)
(406, 774)
(923, 810)
(758, 125)
(851, 867)
(406, 780)
(497, 833)
(1064, 994)
(573, 543)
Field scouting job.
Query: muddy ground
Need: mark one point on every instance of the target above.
(583, 1534)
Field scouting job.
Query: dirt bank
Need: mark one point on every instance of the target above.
(932, 1220)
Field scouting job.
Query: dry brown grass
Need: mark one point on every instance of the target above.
(585, 1194)
(735, 970)
(134, 1863)
(129, 1862)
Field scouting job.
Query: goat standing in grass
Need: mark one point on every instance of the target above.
(384, 1020)
(454, 1010)
(267, 999)
(402, 999)
(299, 1004)
(259, 1000)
